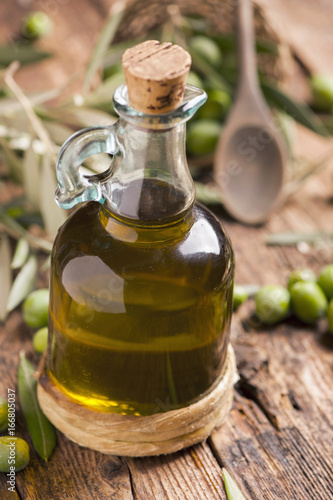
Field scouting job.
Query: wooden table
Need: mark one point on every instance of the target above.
(277, 442)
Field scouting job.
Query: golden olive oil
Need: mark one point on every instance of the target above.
(140, 305)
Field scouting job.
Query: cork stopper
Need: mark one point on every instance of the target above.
(156, 75)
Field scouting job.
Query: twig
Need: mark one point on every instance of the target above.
(14, 229)
(313, 167)
(106, 37)
(36, 123)
(292, 238)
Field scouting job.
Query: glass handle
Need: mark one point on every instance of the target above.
(73, 187)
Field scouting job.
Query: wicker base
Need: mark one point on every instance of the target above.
(136, 436)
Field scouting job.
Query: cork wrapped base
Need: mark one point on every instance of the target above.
(137, 436)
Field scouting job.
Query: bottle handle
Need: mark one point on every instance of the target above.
(73, 187)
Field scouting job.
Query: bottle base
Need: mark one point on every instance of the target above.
(138, 436)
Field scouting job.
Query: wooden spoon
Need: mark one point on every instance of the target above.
(251, 155)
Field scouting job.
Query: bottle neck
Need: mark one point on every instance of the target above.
(151, 183)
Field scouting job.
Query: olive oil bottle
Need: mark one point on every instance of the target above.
(141, 275)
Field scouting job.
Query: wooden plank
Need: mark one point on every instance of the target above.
(5, 493)
(278, 441)
(192, 474)
(282, 425)
(306, 27)
(73, 472)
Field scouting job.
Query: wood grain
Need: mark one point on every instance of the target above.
(277, 442)
(73, 472)
(306, 27)
(282, 417)
(279, 436)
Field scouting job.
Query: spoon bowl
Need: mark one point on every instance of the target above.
(251, 155)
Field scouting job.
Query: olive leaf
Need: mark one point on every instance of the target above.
(46, 264)
(76, 116)
(101, 96)
(24, 54)
(13, 228)
(3, 414)
(251, 290)
(31, 175)
(291, 238)
(12, 105)
(297, 110)
(17, 124)
(212, 76)
(12, 161)
(287, 126)
(105, 39)
(5, 276)
(208, 194)
(327, 121)
(21, 254)
(53, 215)
(232, 490)
(40, 428)
(305, 169)
(23, 283)
(59, 133)
(228, 42)
(14, 206)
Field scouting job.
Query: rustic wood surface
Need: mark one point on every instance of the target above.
(277, 442)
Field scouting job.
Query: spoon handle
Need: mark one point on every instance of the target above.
(247, 57)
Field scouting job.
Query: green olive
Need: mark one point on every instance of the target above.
(194, 79)
(330, 316)
(272, 304)
(325, 281)
(216, 107)
(240, 296)
(112, 70)
(308, 301)
(39, 340)
(36, 25)
(202, 137)
(14, 452)
(207, 49)
(322, 92)
(3, 414)
(36, 308)
(302, 275)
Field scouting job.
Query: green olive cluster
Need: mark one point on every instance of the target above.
(35, 314)
(309, 298)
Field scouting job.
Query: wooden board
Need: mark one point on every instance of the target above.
(277, 442)
(307, 28)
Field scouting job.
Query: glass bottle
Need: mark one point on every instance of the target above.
(141, 274)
